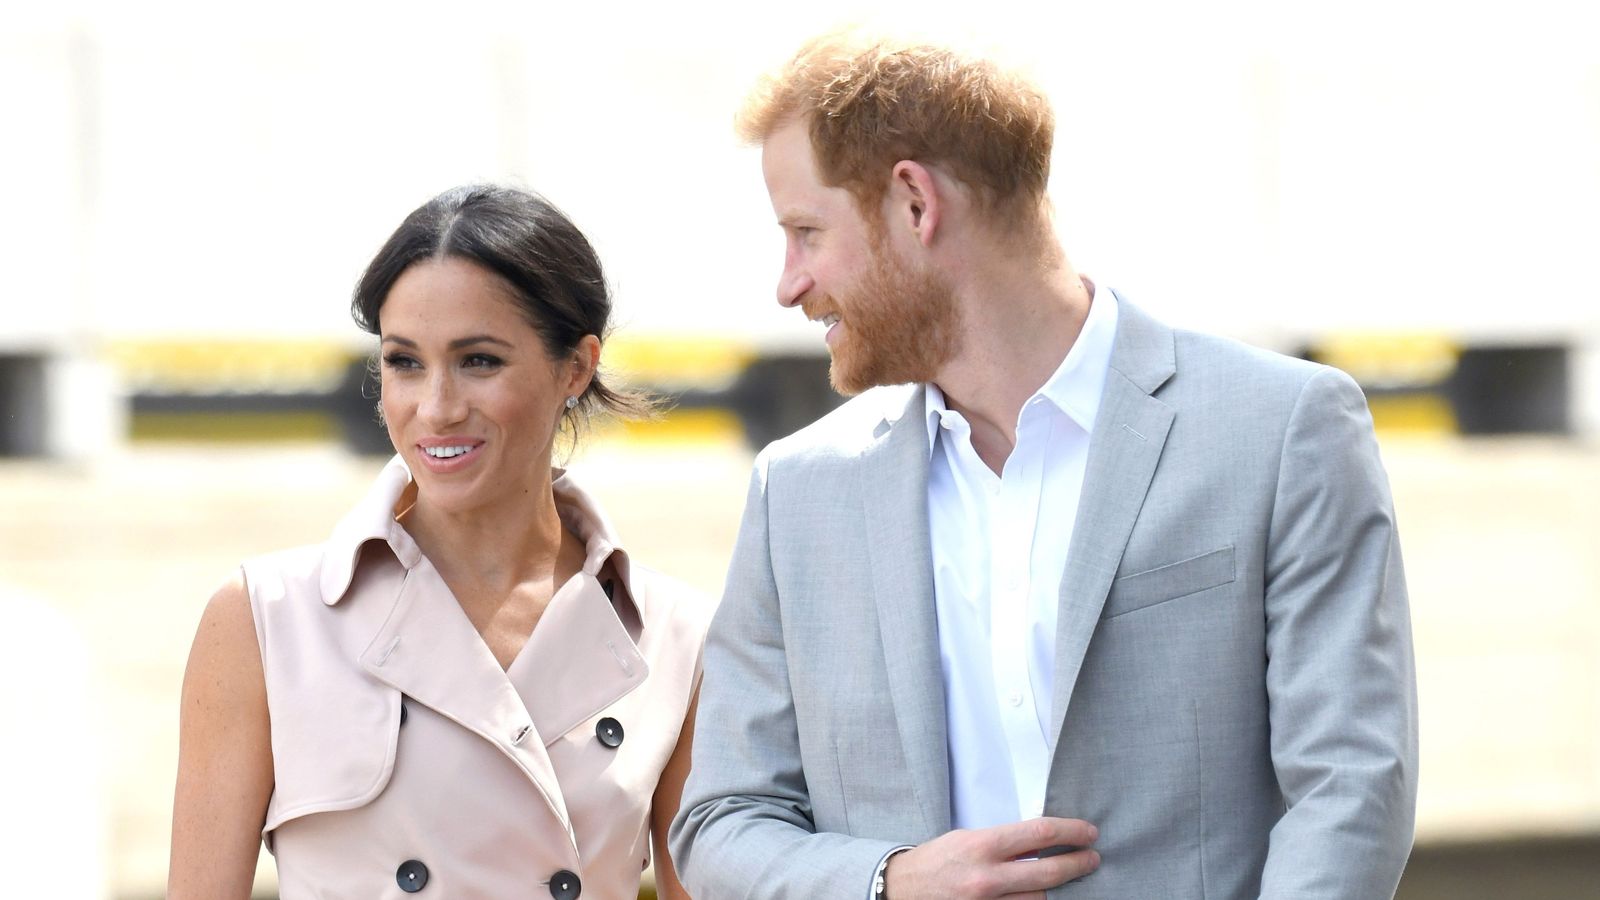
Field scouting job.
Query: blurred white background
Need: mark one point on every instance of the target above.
(199, 168)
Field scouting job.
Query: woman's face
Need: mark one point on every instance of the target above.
(471, 398)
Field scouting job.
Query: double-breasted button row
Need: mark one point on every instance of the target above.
(412, 876)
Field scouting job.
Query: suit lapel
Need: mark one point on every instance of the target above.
(894, 494)
(1130, 432)
(429, 651)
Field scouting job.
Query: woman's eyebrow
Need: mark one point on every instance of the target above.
(456, 344)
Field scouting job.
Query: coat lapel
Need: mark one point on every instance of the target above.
(578, 661)
(1130, 432)
(894, 494)
(429, 651)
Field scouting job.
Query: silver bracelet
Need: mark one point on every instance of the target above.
(880, 879)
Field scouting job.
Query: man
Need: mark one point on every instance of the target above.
(1094, 607)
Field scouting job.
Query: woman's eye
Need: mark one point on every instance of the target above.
(400, 361)
(482, 361)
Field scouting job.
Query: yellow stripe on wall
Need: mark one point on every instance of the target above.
(688, 426)
(228, 428)
(211, 366)
(1391, 360)
(1413, 414)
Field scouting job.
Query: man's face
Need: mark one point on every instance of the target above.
(888, 322)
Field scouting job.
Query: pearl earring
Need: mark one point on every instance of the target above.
(572, 403)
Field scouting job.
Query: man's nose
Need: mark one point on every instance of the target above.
(792, 285)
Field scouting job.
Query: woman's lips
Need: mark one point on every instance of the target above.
(445, 456)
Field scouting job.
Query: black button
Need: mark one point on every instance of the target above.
(609, 731)
(412, 876)
(565, 886)
(402, 711)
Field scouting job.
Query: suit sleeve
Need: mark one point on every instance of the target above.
(745, 828)
(1341, 679)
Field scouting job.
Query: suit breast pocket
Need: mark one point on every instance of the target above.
(1150, 587)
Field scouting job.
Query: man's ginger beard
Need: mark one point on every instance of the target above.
(899, 325)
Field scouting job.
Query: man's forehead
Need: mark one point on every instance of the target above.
(809, 204)
(787, 153)
(792, 179)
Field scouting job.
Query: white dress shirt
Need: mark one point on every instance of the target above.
(999, 552)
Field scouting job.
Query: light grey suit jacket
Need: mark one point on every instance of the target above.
(1234, 700)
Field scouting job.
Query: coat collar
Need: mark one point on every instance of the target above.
(1144, 351)
(373, 519)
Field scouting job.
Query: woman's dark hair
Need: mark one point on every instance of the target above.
(553, 272)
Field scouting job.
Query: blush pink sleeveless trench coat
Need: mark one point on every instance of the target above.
(407, 762)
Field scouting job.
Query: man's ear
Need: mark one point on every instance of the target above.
(915, 200)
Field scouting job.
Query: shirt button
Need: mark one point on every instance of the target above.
(412, 876)
(1014, 698)
(565, 885)
(609, 731)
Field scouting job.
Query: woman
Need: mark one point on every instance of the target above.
(468, 690)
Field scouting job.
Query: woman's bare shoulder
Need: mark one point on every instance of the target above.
(225, 651)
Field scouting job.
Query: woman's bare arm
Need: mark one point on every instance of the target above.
(224, 756)
(669, 793)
